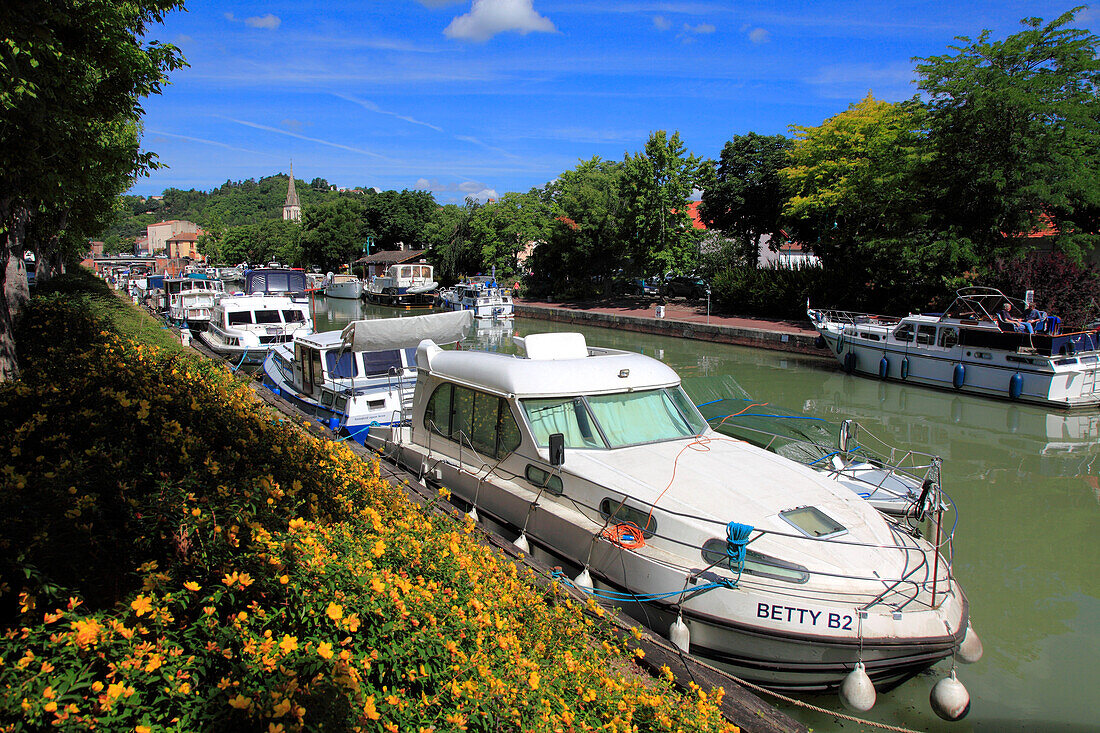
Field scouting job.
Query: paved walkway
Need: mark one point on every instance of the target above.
(682, 319)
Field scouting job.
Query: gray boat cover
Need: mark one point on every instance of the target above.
(380, 334)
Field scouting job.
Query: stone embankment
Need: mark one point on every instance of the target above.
(680, 320)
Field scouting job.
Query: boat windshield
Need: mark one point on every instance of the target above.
(614, 420)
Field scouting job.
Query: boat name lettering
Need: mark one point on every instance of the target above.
(803, 615)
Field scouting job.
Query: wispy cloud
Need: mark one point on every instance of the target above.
(204, 141)
(487, 146)
(487, 18)
(661, 23)
(317, 140)
(292, 124)
(269, 22)
(854, 81)
(368, 105)
(689, 32)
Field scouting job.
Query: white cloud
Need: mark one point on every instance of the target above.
(661, 23)
(759, 35)
(487, 18)
(269, 21)
(688, 33)
(472, 189)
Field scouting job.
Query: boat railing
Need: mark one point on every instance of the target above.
(853, 318)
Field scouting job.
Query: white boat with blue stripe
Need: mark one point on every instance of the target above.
(967, 349)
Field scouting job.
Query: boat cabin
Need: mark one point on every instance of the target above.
(274, 281)
(325, 367)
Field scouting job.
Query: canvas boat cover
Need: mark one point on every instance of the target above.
(405, 333)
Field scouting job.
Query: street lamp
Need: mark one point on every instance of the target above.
(708, 305)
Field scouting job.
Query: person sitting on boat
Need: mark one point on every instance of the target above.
(1041, 321)
(1008, 321)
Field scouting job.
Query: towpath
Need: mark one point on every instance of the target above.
(681, 319)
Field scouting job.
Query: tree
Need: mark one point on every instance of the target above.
(394, 218)
(657, 187)
(858, 201)
(72, 75)
(503, 228)
(746, 196)
(1015, 129)
(584, 242)
(334, 232)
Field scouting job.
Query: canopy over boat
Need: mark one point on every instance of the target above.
(405, 333)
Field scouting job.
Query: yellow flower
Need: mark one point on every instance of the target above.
(369, 710)
(154, 664)
(351, 623)
(378, 549)
(334, 612)
(240, 702)
(142, 729)
(87, 632)
(51, 706)
(288, 644)
(275, 728)
(230, 578)
(142, 605)
(191, 585)
(282, 708)
(244, 579)
(324, 649)
(533, 680)
(284, 579)
(297, 523)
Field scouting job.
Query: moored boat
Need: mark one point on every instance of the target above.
(967, 350)
(596, 460)
(403, 286)
(480, 294)
(189, 301)
(343, 286)
(361, 376)
(244, 328)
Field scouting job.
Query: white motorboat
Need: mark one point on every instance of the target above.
(190, 300)
(403, 286)
(361, 376)
(343, 286)
(893, 480)
(596, 460)
(964, 349)
(244, 328)
(479, 294)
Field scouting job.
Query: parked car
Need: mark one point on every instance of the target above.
(691, 288)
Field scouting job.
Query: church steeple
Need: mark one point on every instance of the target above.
(292, 210)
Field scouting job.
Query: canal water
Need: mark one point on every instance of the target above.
(1026, 482)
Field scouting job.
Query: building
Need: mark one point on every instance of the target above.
(379, 262)
(158, 234)
(292, 209)
(185, 244)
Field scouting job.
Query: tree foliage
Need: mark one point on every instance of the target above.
(1015, 129)
(746, 197)
(334, 232)
(658, 184)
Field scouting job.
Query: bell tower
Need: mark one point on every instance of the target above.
(292, 210)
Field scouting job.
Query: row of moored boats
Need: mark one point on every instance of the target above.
(413, 286)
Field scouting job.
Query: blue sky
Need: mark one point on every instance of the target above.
(480, 98)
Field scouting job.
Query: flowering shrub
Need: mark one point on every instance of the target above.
(175, 556)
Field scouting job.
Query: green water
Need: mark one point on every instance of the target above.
(1025, 481)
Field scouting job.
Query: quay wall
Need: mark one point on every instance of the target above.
(777, 340)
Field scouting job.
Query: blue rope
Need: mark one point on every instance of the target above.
(754, 414)
(737, 538)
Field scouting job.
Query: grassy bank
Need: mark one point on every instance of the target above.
(175, 556)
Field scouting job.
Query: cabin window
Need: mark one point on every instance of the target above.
(540, 477)
(567, 416)
(949, 337)
(904, 332)
(293, 316)
(380, 362)
(327, 398)
(812, 522)
(267, 317)
(341, 403)
(238, 318)
(341, 365)
(926, 335)
(619, 512)
(631, 418)
(714, 553)
(315, 366)
(475, 419)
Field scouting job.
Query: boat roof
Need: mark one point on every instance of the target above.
(250, 301)
(383, 334)
(600, 371)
